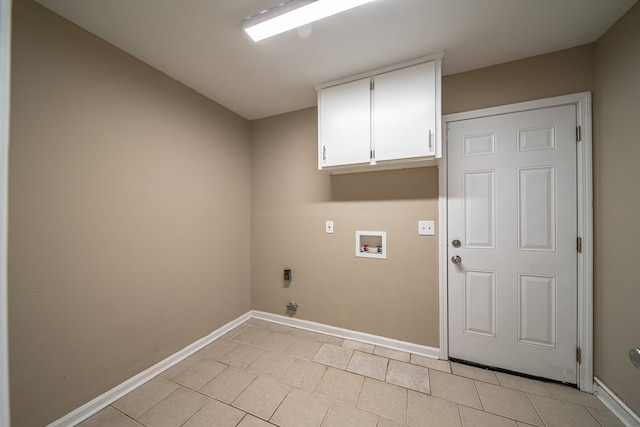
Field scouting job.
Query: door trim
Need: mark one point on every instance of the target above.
(5, 70)
(582, 101)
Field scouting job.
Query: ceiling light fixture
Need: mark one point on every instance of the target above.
(293, 14)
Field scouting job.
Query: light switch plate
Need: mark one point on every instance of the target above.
(329, 227)
(426, 228)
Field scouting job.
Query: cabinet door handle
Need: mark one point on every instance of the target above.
(430, 143)
(324, 153)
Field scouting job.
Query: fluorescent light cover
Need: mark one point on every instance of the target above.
(289, 19)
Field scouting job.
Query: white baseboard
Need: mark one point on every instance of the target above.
(105, 399)
(615, 405)
(421, 350)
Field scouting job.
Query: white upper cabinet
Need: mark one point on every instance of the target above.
(404, 118)
(389, 119)
(345, 114)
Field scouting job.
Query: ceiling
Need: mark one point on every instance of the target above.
(201, 42)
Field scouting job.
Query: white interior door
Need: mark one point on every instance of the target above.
(512, 206)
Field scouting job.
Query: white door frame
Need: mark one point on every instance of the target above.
(582, 101)
(5, 69)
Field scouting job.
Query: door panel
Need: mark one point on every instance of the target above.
(344, 119)
(405, 116)
(479, 209)
(479, 145)
(480, 302)
(512, 204)
(536, 209)
(537, 308)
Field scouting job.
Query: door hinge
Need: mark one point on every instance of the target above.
(578, 133)
(579, 245)
(578, 355)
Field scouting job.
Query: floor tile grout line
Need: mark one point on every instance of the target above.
(243, 390)
(123, 413)
(535, 409)
(505, 416)
(386, 372)
(287, 367)
(326, 413)
(280, 404)
(218, 400)
(355, 406)
(475, 387)
(197, 391)
(157, 403)
(194, 414)
(586, 408)
(246, 414)
(515, 420)
(592, 416)
(460, 412)
(557, 397)
(406, 409)
(349, 361)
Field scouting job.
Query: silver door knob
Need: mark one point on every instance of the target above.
(456, 259)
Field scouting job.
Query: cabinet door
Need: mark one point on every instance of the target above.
(404, 105)
(344, 117)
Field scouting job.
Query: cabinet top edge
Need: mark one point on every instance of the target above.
(405, 64)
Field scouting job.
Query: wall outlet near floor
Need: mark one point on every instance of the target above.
(426, 228)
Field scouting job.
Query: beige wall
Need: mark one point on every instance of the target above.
(617, 203)
(290, 202)
(558, 73)
(396, 298)
(128, 217)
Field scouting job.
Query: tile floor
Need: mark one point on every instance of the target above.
(264, 374)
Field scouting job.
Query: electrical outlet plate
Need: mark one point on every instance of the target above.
(426, 228)
(329, 227)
